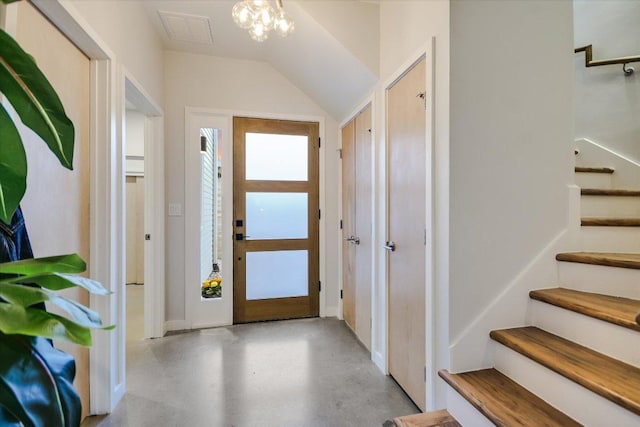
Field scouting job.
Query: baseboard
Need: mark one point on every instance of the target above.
(470, 349)
(379, 361)
(205, 325)
(330, 311)
(175, 325)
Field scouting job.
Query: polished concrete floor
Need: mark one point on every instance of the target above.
(297, 373)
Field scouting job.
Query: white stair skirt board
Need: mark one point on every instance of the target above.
(609, 239)
(627, 172)
(621, 282)
(610, 206)
(464, 412)
(571, 398)
(606, 338)
(593, 180)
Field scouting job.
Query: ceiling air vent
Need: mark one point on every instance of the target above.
(187, 28)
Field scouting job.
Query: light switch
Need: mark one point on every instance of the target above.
(175, 209)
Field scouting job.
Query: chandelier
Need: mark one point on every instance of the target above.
(259, 17)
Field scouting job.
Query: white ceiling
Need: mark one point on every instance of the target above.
(314, 58)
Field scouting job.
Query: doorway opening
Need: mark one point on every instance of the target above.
(134, 219)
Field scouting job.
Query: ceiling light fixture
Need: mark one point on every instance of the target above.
(259, 17)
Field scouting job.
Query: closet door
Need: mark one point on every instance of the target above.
(406, 126)
(357, 219)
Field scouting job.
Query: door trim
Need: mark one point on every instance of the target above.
(381, 306)
(189, 207)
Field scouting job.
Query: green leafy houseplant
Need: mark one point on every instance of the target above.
(36, 380)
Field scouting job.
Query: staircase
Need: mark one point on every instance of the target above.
(579, 363)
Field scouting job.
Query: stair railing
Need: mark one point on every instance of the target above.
(589, 62)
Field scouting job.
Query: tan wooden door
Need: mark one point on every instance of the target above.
(363, 226)
(356, 225)
(406, 124)
(276, 219)
(349, 224)
(56, 204)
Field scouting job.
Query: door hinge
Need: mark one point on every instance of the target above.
(425, 374)
(319, 142)
(319, 214)
(319, 286)
(340, 224)
(340, 293)
(425, 237)
(340, 152)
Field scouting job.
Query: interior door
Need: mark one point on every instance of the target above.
(406, 124)
(356, 225)
(363, 243)
(276, 219)
(349, 224)
(56, 204)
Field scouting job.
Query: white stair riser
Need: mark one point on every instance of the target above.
(603, 337)
(464, 412)
(621, 282)
(610, 206)
(593, 180)
(571, 398)
(609, 239)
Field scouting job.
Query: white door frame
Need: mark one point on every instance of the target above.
(381, 304)
(153, 203)
(192, 218)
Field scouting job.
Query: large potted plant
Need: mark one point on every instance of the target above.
(36, 379)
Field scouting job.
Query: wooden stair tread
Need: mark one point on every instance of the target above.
(603, 375)
(440, 418)
(585, 169)
(609, 192)
(503, 401)
(602, 258)
(610, 222)
(617, 310)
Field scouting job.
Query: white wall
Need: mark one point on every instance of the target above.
(607, 104)
(125, 28)
(355, 24)
(511, 139)
(134, 142)
(242, 86)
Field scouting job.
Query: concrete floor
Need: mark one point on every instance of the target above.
(298, 373)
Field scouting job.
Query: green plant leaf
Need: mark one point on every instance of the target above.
(38, 323)
(35, 100)
(13, 167)
(71, 263)
(59, 281)
(36, 384)
(26, 296)
(9, 1)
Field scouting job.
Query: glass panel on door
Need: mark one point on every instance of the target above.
(277, 216)
(277, 274)
(273, 157)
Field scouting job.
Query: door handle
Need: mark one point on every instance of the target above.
(390, 246)
(352, 239)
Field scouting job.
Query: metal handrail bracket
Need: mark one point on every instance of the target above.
(589, 62)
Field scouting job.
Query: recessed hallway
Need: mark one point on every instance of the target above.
(298, 373)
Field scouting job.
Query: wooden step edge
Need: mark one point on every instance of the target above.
(615, 310)
(585, 169)
(503, 401)
(609, 192)
(441, 418)
(601, 258)
(609, 222)
(610, 378)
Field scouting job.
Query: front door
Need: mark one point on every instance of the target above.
(406, 123)
(276, 219)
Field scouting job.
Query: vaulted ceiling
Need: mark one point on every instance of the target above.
(332, 56)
